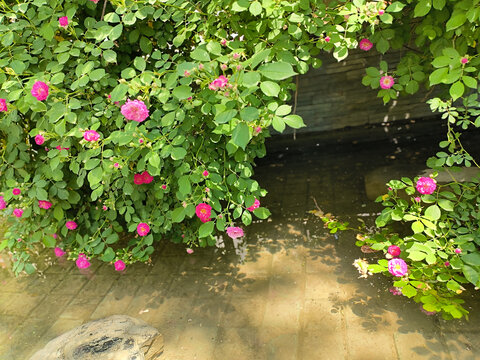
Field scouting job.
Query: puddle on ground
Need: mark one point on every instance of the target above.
(288, 290)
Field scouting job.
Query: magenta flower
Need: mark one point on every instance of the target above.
(116, 165)
(135, 110)
(386, 82)
(39, 139)
(397, 267)
(426, 185)
(147, 178)
(236, 55)
(205, 173)
(447, 263)
(3, 105)
(63, 21)
(327, 39)
(394, 250)
(396, 291)
(164, 187)
(82, 261)
(186, 73)
(223, 42)
(91, 135)
(234, 232)
(54, 236)
(218, 83)
(59, 252)
(418, 199)
(104, 208)
(119, 265)
(203, 211)
(464, 60)
(3, 204)
(44, 204)
(143, 229)
(138, 179)
(40, 90)
(18, 212)
(189, 251)
(258, 129)
(365, 44)
(381, 12)
(59, 148)
(458, 251)
(256, 205)
(71, 225)
(16, 191)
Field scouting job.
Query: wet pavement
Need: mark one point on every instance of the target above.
(289, 291)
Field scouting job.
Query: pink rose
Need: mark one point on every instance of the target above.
(426, 185)
(40, 90)
(386, 82)
(71, 225)
(189, 251)
(16, 191)
(44, 204)
(205, 173)
(143, 229)
(82, 261)
(397, 267)
(135, 110)
(365, 44)
(3, 204)
(39, 139)
(464, 60)
(203, 211)
(63, 21)
(59, 252)
(234, 232)
(18, 212)
(91, 135)
(119, 265)
(256, 205)
(394, 250)
(3, 105)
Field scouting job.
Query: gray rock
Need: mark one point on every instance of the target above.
(118, 337)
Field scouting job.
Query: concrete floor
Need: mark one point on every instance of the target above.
(288, 292)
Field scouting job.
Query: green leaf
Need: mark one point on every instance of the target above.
(249, 113)
(214, 48)
(417, 255)
(95, 176)
(294, 121)
(200, 55)
(49, 241)
(257, 58)
(439, 4)
(116, 32)
(457, 20)
(433, 213)
(395, 7)
(262, 213)
(241, 135)
(96, 74)
(278, 124)
(108, 255)
(470, 81)
(140, 63)
(277, 71)
(58, 212)
(178, 214)
(457, 90)
(225, 116)
(471, 274)
(119, 92)
(206, 229)
(178, 153)
(184, 185)
(110, 56)
(182, 92)
(423, 8)
(270, 88)
(472, 258)
(283, 110)
(409, 291)
(417, 227)
(255, 8)
(438, 76)
(446, 204)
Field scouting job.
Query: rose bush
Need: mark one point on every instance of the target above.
(147, 117)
